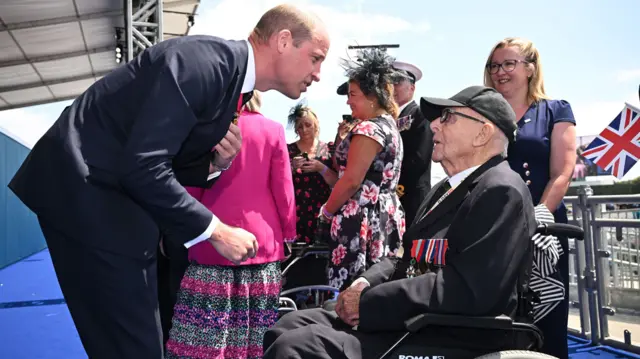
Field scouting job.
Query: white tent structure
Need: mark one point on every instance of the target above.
(52, 50)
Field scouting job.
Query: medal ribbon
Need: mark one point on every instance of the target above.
(429, 251)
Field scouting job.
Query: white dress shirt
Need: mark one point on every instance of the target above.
(403, 106)
(247, 86)
(456, 179)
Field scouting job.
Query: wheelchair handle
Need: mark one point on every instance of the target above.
(305, 250)
(310, 287)
(561, 230)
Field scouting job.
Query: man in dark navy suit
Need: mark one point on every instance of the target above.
(417, 139)
(107, 178)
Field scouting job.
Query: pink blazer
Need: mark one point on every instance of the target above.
(255, 193)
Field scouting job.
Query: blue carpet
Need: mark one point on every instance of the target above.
(36, 324)
(34, 321)
(602, 352)
(33, 278)
(576, 343)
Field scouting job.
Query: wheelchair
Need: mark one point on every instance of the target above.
(319, 292)
(523, 338)
(527, 338)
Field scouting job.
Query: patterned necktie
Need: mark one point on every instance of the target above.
(441, 191)
(437, 198)
(244, 98)
(446, 186)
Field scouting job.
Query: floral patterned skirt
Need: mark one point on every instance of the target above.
(222, 312)
(362, 235)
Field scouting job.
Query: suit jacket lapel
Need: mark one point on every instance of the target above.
(407, 110)
(235, 86)
(436, 189)
(453, 200)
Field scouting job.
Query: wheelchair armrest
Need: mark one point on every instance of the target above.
(561, 229)
(302, 250)
(421, 321)
(316, 248)
(310, 287)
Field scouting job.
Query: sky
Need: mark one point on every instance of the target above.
(586, 46)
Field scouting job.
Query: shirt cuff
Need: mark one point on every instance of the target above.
(360, 280)
(213, 175)
(205, 235)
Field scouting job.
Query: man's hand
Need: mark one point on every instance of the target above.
(228, 148)
(348, 304)
(235, 244)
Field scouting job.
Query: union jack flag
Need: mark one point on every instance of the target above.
(617, 147)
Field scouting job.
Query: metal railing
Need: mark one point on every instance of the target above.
(605, 266)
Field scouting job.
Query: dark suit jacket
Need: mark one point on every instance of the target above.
(488, 221)
(110, 171)
(415, 175)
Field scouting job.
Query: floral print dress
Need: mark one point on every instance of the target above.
(311, 191)
(371, 223)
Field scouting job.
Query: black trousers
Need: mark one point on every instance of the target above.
(554, 324)
(112, 299)
(317, 333)
(170, 273)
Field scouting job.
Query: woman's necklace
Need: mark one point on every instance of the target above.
(308, 149)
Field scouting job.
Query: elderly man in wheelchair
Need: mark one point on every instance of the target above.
(460, 287)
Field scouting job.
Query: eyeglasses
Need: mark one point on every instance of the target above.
(507, 66)
(447, 112)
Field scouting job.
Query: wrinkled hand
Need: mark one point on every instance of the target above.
(312, 166)
(228, 147)
(235, 244)
(348, 304)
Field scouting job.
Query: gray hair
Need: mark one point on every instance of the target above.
(504, 142)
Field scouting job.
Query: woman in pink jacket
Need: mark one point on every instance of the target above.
(222, 309)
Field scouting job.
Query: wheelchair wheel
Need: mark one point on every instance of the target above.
(516, 354)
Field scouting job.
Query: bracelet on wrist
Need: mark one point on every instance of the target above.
(324, 170)
(325, 213)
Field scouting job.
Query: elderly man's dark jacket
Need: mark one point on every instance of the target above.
(488, 221)
(415, 176)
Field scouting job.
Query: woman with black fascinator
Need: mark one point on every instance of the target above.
(311, 166)
(313, 177)
(364, 211)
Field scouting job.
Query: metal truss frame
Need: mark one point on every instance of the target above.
(142, 28)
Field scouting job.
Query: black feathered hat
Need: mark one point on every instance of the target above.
(372, 70)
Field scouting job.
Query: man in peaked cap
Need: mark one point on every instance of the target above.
(415, 177)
